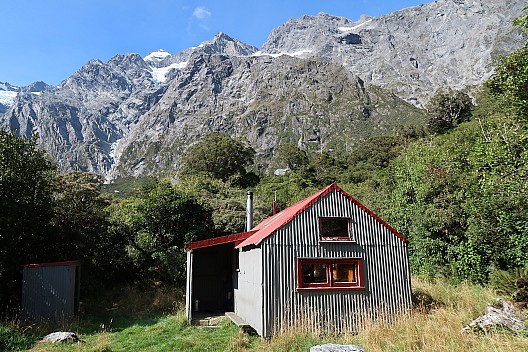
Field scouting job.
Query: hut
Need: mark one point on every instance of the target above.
(50, 291)
(326, 261)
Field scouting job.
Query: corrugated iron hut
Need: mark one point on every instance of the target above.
(326, 261)
(50, 291)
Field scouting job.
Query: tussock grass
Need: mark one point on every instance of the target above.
(11, 339)
(439, 328)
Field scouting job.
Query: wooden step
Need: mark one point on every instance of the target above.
(237, 320)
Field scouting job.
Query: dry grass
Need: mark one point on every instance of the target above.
(434, 325)
(438, 327)
(239, 342)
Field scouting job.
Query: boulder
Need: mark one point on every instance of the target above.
(332, 347)
(60, 336)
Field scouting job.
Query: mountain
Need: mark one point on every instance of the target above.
(323, 82)
(411, 52)
(318, 105)
(162, 62)
(9, 92)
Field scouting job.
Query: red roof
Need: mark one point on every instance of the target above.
(41, 265)
(268, 226)
(236, 238)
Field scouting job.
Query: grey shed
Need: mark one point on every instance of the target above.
(50, 291)
(326, 262)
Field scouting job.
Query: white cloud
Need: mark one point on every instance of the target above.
(201, 13)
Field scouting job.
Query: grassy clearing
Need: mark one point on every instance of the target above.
(155, 321)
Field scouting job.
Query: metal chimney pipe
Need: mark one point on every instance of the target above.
(249, 211)
(274, 206)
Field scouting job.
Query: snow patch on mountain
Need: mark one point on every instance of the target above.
(347, 29)
(8, 92)
(297, 53)
(159, 74)
(157, 56)
(7, 98)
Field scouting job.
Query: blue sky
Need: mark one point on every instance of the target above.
(49, 40)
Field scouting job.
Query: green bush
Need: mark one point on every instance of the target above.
(12, 340)
(512, 283)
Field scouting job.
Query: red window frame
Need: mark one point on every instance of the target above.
(330, 266)
(322, 219)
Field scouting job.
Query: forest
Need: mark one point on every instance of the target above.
(456, 189)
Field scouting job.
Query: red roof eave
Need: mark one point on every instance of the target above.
(42, 265)
(235, 238)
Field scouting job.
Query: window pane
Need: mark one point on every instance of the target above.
(334, 227)
(344, 272)
(314, 273)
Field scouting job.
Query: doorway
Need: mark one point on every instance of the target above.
(213, 279)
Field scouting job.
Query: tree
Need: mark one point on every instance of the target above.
(291, 156)
(220, 156)
(324, 168)
(447, 108)
(461, 196)
(27, 177)
(158, 221)
(509, 85)
(428, 183)
(522, 21)
(80, 229)
(227, 202)
(79, 218)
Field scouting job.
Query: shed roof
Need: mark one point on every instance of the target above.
(41, 265)
(268, 226)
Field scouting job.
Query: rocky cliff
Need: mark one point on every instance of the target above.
(323, 82)
(318, 105)
(411, 52)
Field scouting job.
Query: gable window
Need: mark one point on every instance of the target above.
(339, 273)
(334, 229)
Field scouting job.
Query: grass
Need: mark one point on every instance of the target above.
(155, 321)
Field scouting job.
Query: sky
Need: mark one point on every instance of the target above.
(48, 40)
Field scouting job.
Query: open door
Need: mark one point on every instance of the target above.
(212, 279)
(212, 274)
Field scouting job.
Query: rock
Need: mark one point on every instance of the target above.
(503, 314)
(332, 347)
(60, 336)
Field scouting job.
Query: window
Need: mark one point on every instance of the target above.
(334, 229)
(330, 273)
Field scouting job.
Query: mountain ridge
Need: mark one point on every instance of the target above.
(320, 81)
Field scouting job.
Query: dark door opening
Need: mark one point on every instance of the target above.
(213, 279)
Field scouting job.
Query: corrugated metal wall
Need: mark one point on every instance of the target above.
(50, 293)
(385, 265)
(248, 289)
